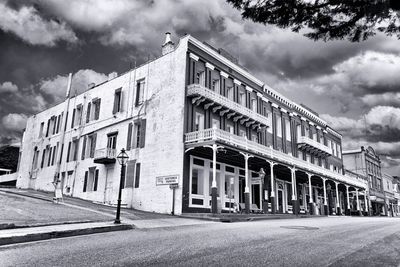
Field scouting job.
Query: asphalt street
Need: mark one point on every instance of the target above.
(333, 241)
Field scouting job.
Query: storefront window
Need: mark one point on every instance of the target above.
(197, 181)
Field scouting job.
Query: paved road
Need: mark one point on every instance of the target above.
(323, 241)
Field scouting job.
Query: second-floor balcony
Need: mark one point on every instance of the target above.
(224, 105)
(312, 146)
(217, 135)
(105, 156)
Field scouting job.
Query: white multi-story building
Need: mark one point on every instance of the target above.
(194, 117)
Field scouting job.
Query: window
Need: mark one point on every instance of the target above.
(242, 99)
(55, 148)
(197, 181)
(308, 157)
(49, 149)
(215, 123)
(199, 121)
(41, 129)
(54, 124)
(74, 148)
(91, 180)
(89, 146)
(230, 93)
(35, 158)
(201, 78)
(43, 158)
(96, 106)
(112, 141)
(229, 188)
(306, 131)
(117, 100)
(278, 125)
(139, 134)
(59, 120)
(242, 133)
(89, 106)
(287, 130)
(230, 128)
(139, 92)
(254, 138)
(137, 175)
(254, 105)
(48, 128)
(298, 130)
(216, 86)
(76, 116)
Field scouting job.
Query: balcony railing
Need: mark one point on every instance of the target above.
(227, 104)
(308, 143)
(243, 143)
(105, 155)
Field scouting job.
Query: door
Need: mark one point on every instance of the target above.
(108, 186)
(280, 201)
(255, 194)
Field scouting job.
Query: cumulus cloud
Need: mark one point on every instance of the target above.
(27, 24)
(57, 86)
(389, 99)
(8, 87)
(14, 121)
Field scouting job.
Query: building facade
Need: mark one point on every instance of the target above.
(390, 200)
(366, 162)
(195, 115)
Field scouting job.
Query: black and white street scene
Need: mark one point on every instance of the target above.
(200, 133)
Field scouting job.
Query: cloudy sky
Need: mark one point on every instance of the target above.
(354, 86)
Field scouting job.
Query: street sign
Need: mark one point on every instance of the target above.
(167, 180)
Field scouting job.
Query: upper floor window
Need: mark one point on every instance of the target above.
(242, 133)
(216, 86)
(76, 116)
(41, 129)
(242, 98)
(254, 105)
(279, 125)
(215, 123)
(230, 93)
(199, 121)
(201, 78)
(117, 100)
(230, 128)
(112, 140)
(89, 146)
(139, 134)
(287, 130)
(139, 92)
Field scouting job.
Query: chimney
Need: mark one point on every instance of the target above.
(91, 85)
(168, 45)
(112, 75)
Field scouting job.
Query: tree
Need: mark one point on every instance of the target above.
(355, 20)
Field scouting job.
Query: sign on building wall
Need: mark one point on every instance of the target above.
(167, 180)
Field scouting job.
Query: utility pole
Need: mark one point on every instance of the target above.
(62, 137)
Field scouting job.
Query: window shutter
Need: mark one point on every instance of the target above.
(73, 119)
(97, 114)
(66, 120)
(84, 147)
(48, 128)
(96, 178)
(129, 140)
(85, 181)
(130, 174)
(88, 112)
(137, 175)
(142, 133)
(93, 145)
(117, 100)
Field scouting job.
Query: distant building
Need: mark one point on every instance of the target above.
(396, 192)
(367, 163)
(196, 118)
(389, 194)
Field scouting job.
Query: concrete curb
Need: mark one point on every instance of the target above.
(244, 218)
(26, 195)
(62, 233)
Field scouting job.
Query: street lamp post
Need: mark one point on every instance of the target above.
(122, 159)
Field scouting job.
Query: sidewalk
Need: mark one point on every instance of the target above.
(29, 234)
